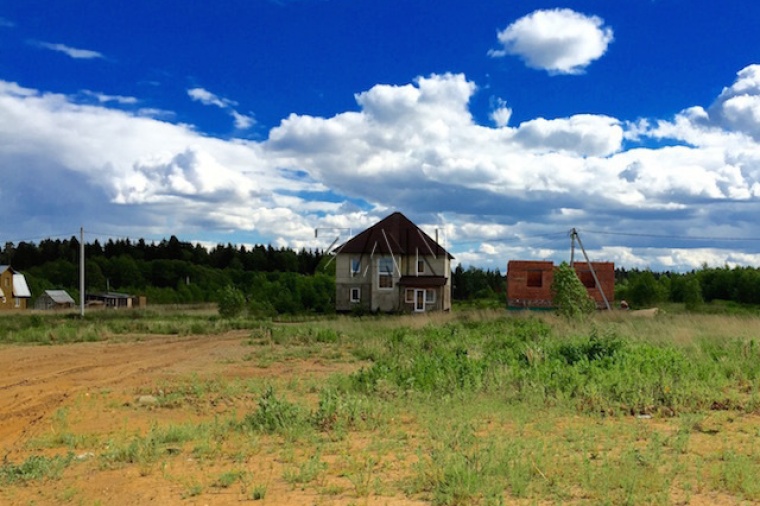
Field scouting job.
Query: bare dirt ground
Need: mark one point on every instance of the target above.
(37, 380)
(97, 384)
(97, 380)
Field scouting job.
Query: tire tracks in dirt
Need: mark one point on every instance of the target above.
(37, 380)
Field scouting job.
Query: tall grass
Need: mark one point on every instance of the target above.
(595, 370)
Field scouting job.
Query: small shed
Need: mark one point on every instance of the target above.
(111, 299)
(54, 299)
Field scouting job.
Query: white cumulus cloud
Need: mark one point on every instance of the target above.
(560, 41)
(499, 191)
(69, 163)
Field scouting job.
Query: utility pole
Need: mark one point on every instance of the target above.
(575, 237)
(81, 270)
(335, 241)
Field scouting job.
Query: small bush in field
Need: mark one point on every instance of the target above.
(231, 302)
(340, 411)
(274, 414)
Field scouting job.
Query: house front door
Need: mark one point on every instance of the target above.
(419, 300)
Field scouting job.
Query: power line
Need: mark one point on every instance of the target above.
(517, 238)
(41, 238)
(674, 237)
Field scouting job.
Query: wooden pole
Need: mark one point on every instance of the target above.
(81, 270)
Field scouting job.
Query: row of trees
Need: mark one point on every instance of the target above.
(473, 283)
(647, 288)
(259, 258)
(171, 271)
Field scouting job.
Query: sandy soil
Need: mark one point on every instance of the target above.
(99, 383)
(98, 379)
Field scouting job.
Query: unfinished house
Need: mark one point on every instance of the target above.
(14, 292)
(529, 283)
(393, 266)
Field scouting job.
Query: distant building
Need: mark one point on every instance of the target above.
(112, 300)
(14, 292)
(54, 299)
(393, 266)
(529, 283)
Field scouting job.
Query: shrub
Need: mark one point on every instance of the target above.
(231, 302)
(274, 415)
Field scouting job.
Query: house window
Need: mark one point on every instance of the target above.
(356, 295)
(420, 266)
(356, 266)
(535, 278)
(17, 302)
(587, 278)
(409, 296)
(385, 273)
(429, 296)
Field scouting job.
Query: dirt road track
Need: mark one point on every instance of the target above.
(36, 380)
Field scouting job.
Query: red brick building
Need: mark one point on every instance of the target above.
(529, 282)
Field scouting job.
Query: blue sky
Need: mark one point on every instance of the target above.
(502, 124)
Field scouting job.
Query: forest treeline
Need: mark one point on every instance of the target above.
(177, 272)
(644, 288)
(273, 280)
(283, 280)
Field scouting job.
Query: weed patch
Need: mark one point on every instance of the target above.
(34, 468)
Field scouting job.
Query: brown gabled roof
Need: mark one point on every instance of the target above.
(394, 234)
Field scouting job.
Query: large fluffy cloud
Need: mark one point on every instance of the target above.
(418, 147)
(119, 171)
(661, 193)
(413, 144)
(560, 41)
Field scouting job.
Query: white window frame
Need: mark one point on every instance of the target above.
(384, 273)
(409, 296)
(420, 266)
(355, 266)
(430, 296)
(355, 294)
(419, 300)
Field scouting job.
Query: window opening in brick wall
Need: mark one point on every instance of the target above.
(587, 278)
(535, 278)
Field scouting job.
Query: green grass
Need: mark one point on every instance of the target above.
(482, 407)
(35, 468)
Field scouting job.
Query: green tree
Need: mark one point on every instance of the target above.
(692, 293)
(645, 291)
(231, 302)
(571, 299)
